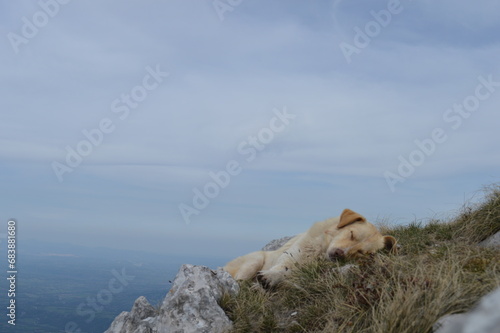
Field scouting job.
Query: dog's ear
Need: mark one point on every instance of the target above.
(390, 244)
(348, 217)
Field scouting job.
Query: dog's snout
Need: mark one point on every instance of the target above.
(336, 254)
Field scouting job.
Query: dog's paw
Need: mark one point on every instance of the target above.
(261, 278)
(270, 279)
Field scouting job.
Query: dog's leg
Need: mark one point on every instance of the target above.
(282, 268)
(247, 266)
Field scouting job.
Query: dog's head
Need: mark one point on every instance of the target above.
(354, 236)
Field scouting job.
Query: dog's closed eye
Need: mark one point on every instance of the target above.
(352, 235)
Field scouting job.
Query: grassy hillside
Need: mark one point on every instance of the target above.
(438, 270)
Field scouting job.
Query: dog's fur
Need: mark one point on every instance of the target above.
(349, 235)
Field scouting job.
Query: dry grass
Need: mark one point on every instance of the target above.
(439, 270)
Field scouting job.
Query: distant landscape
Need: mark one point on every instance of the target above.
(64, 288)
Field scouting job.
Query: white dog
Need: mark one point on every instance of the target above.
(349, 235)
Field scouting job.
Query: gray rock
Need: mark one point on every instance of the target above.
(443, 322)
(485, 318)
(276, 243)
(191, 304)
(128, 322)
(492, 241)
(189, 307)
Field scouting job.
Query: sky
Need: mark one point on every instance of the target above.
(211, 127)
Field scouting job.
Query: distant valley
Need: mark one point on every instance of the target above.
(65, 288)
